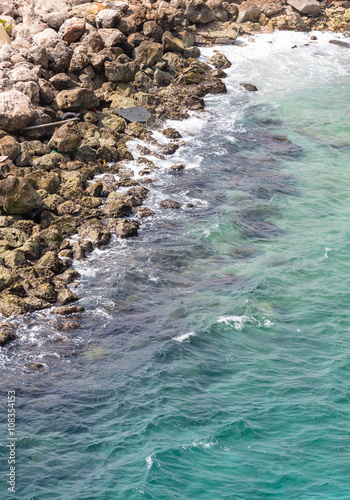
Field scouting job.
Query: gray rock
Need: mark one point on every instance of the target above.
(108, 18)
(307, 7)
(198, 12)
(148, 53)
(120, 72)
(16, 111)
(152, 31)
(66, 138)
(248, 12)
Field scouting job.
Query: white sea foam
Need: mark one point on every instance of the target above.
(183, 337)
(238, 321)
(149, 462)
(326, 252)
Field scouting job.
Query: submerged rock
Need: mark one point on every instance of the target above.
(170, 204)
(7, 333)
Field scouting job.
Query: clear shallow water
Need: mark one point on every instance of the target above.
(213, 357)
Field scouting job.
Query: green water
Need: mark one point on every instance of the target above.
(213, 362)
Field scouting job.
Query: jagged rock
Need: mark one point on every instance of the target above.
(114, 122)
(117, 205)
(162, 78)
(17, 196)
(60, 57)
(7, 277)
(248, 12)
(9, 147)
(7, 333)
(152, 31)
(190, 52)
(220, 61)
(198, 12)
(65, 310)
(47, 92)
(148, 53)
(61, 81)
(307, 7)
(112, 37)
(144, 212)
(38, 55)
(12, 305)
(46, 38)
(120, 71)
(14, 237)
(66, 138)
(170, 204)
(79, 59)
(171, 43)
(16, 111)
(77, 99)
(50, 262)
(125, 228)
(72, 29)
(107, 18)
(217, 7)
(65, 296)
(270, 7)
(95, 42)
(249, 87)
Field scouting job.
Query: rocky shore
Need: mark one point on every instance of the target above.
(71, 74)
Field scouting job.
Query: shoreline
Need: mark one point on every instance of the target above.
(47, 170)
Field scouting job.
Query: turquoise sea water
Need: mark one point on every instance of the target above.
(213, 358)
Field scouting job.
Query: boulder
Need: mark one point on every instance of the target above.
(307, 7)
(50, 262)
(16, 111)
(152, 31)
(114, 122)
(12, 305)
(108, 18)
(120, 71)
(218, 9)
(172, 204)
(38, 55)
(17, 196)
(198, 12)
(7, 333)
(7, 277)
(171, 43)
(248, 12)
(111, 37)
(72, 29)
(77, 99)
(47, 38)
(219, 61)
(9, 147)
(148, 53)
(270, 7)
(60, 57)
(66, 138)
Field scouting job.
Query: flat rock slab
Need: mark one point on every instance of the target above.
(136, 114)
